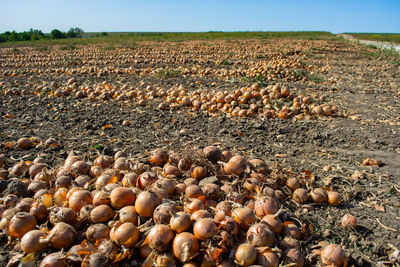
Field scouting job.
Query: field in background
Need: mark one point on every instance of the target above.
(124, 37)
(383, 37)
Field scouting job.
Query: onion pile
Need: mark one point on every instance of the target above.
(170, 209)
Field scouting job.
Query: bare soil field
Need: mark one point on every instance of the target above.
(325, 112)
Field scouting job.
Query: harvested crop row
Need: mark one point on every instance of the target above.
(172, 208)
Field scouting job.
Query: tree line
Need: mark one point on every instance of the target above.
(38, 34)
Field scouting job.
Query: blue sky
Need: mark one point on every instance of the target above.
(206, 15)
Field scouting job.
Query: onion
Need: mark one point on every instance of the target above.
(104, 161)
(334, 198)
(230, 225)
(107, 247)
(273, 222)
(194, 205)
(97, 232)
(290, 229)
(80, 167)
(233, 168)
(300, 195)
(165, 259)
(225, 207)
(159, 237)
(199, 173)
(36, 168)
(102, 213)
(63, 181)
(79, 199)
(101, 198)
(288, 243)
(145, 203)
(19, 169)
(259, 235)
(194, 191)
(121, 197)
(244, 217)
(184, 165)
(56, 259)
(268, 258)
(103, 180)
(180, 222)
(21, 223)
(211, 191)
(82, 180)
(39, 210)
(180, 188)
(171, 171)
(185, 246)
(98, 260)
(293, 255)
(95, 171)
(200, 214)
(318, 195)
(265, 205)
(204, 229)
(24, 204)
(128, 214)
(63, 214)
(292, 183)
(24, 143)
(245, 254)
(259, 166)
(349, 221)
(130, 179)
(62, 235)
(146, 179)
(33, 241)
(163, 213)
(212, 153)
(334, 255)
(127, 234)
(165, 184)
(158, 157)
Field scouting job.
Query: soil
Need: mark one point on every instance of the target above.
(365, 89)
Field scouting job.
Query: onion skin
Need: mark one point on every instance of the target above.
(333, 254)
(245, 254)
(33, 241)
(185, 246)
